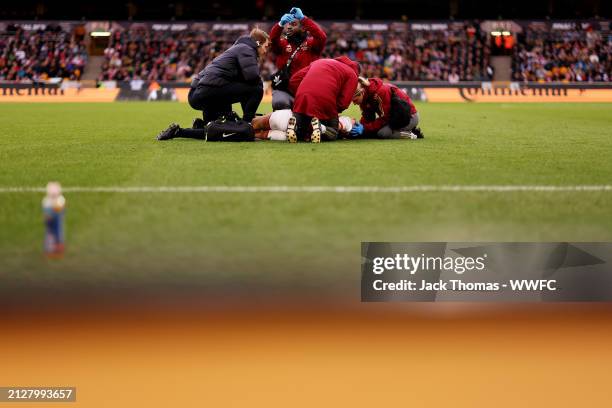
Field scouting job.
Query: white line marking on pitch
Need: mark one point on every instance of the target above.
(313, 189)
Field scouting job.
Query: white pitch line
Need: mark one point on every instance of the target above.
(316, 189)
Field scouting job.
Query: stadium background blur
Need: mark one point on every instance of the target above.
(398, 46)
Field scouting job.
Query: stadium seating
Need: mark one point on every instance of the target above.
(42, 54)
(565, 56)
(416, 55)
(459, 53)
(433, 55)
(161, 55)
(443, 55)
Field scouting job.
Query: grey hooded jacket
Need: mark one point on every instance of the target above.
(238, 63)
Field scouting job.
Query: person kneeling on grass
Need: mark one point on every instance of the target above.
(273, 126)
(296, 41)
(322, 91)
(230, 78)
(386, 112)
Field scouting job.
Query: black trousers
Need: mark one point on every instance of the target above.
(215, 101)
(303, 128)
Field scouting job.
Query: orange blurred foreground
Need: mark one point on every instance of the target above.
(374, 355)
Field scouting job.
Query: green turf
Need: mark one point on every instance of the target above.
(288, 239)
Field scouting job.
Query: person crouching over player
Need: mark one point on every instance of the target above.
(230, 78)
(387, 111)
(322, 91)
(273, 126)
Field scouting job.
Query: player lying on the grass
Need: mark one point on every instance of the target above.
(296, 41)
(230, 78)
(387, 112)
(273, 126)
(322, 91)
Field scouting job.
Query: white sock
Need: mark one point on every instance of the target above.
(278, 135)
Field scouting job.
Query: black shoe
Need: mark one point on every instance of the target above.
(419, 134)
(169, 133)
(198, 123)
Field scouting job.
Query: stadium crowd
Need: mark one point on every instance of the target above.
(443, 55)
(41, 54)
(562, 56)
(427, 55)
(453, 55)
(161, 55)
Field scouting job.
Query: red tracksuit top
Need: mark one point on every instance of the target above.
(310, 51)
(377, 104)
(324, 88)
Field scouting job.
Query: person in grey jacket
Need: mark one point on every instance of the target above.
(230, 78)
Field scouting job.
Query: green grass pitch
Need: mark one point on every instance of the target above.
(287, 239)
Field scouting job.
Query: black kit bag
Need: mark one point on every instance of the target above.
(400, 115)
(280, 79)
(231, 129)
